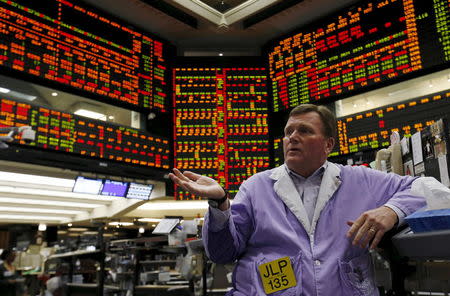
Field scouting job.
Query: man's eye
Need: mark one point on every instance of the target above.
(305, 130)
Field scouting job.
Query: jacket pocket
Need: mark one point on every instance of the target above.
(357, 275)
(296, 267)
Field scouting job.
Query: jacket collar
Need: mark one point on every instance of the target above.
(285, 188)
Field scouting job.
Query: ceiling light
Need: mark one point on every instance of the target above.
(110, 117)
(25, 217)
(38, 202)
(354, 105)
(78, 229)
(153, 225)
(38, 210)
(90, 232)
(141, 229)
(149, 220)
(22, 96)
(91, 114)
(54, 193)
(54, 94)
(120, 223)
(220, 54)
(42, 227)
(70, 224)
(4, 90)
(34, 179)
(177, 205)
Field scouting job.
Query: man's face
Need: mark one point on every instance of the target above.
(304, 144)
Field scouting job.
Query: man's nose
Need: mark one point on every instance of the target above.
(293, 137)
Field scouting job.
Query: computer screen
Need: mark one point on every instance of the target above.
(86, 185)
(114, 188)
(139, 191)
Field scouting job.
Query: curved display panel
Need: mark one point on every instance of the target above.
(67, 132)
(368, 44)
(68, 43)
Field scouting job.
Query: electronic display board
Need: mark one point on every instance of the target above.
(371, 129)
(220, 123)
(370, 43)
(139, 191)
(67, 132)
(87, 185)
(71, 44)
(114, 188)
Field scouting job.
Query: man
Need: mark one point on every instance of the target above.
(303, 228)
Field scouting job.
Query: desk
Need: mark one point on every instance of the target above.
(423, 245)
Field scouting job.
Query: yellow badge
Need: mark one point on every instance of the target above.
(277, 275)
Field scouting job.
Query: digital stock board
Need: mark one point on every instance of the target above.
(220, 124)
(70, 44)
(367, 44)
(65, 132)
(371, 129)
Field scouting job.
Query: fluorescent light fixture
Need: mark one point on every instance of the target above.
(149, 220)
(176, 205)
(34, 179)
(19, 95)
(40, 211)
(24, 217)
(53, 193)
(61, 232)
(41, 202)
(78, 229)
(91, 114)
(42, 227)
(4, 90)
(120, 223)
(90, 232)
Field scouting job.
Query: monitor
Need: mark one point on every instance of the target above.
(139, 191)
(114, 188)
(87, 185)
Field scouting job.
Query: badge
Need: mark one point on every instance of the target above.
(277, 275)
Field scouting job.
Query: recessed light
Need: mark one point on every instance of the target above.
(220, 54)
(54, 94)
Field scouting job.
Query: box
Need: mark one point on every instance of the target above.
(431, 220)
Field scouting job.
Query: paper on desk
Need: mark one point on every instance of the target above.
(436, 194)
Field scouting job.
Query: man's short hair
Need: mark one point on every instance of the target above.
(327, 117)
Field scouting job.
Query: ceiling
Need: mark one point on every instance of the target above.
(205, 28)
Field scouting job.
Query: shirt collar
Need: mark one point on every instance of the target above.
(317, 173)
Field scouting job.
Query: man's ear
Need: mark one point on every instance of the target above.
(329, 145)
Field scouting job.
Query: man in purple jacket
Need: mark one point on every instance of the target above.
(306, 227)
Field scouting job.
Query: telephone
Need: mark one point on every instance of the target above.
(390, 159)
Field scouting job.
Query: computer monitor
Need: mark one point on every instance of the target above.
(114, 188)
(139, 191)
(87, 185)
